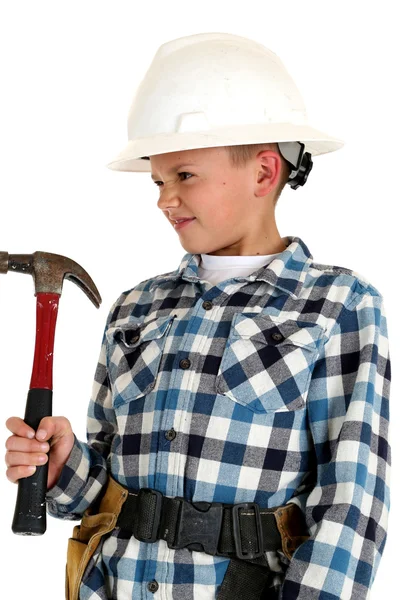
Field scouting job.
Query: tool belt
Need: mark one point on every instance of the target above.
(242, 532)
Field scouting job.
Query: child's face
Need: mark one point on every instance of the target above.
(233, 207)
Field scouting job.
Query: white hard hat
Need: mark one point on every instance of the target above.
(217, 89)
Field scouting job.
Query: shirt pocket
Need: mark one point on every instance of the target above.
(267, 362)
(134, 352)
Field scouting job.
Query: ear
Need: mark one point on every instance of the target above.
(268, 170)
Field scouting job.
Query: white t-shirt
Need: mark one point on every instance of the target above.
(218, 268)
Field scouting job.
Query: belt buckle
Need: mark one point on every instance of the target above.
(236, 530)
(156, 515)
(198, 527)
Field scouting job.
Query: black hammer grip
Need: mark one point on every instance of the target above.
(30, 508)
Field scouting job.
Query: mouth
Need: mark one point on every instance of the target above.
(183, 223)
(174, 220)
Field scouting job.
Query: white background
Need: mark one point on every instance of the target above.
(68, 74)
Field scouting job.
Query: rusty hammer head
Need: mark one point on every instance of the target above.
(49, 271)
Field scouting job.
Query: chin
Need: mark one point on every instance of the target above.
(194, 248)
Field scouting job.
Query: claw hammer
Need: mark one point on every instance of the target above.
(48, 272)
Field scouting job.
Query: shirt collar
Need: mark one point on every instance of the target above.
(287, 271)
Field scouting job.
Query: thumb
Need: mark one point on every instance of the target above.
(53, 427)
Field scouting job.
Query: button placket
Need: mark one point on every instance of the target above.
(184, 363)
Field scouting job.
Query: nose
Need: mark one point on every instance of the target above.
(167, 193)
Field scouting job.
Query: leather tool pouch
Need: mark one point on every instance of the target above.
(292, 527)
(87, 536)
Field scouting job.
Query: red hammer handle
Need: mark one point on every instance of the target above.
(46, 318)
(30, 508)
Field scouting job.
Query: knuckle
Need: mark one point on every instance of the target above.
(10, 476)
(11, 423)
(57, 423)
(63, 421)
(9, 459)
(45, 422)
(13, 443)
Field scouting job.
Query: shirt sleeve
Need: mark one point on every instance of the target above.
(85, 473)
(347, 509)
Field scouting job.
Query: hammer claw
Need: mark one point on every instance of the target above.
(49, 271)
(90, 291)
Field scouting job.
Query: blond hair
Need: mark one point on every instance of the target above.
(240, 155)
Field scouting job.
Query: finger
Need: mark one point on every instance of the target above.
(15, 473)
(52, 426)
(20, 444)
(19, 427)
(14, 459)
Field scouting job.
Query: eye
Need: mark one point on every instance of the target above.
(185, 173)
(181, 173)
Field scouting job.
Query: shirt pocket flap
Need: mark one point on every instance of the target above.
(267, 362)
(134, 354)
(271, 330)
(134, 333)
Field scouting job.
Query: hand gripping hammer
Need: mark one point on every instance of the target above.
(48, 272)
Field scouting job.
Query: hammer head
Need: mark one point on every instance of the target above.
(49, 271)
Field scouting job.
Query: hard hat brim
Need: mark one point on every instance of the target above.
(316, 142)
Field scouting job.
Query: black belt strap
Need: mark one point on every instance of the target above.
(247, 581)
(242, 531)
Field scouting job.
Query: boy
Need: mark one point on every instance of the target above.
(238, 428)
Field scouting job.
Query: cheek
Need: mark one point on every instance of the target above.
(217, 201)
(223, 210)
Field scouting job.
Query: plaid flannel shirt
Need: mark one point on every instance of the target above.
(277, 388)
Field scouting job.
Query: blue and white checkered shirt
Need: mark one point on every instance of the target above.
(276, 386)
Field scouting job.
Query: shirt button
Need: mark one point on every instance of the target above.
(185, 363)
(207, 305)
(152, 586)
(277, 336)
(170, 434)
